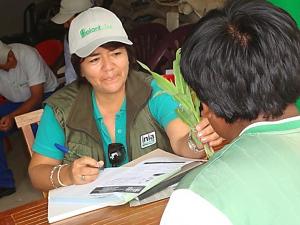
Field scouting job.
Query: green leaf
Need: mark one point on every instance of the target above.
(163, 83)
(188, 110)
(179, 82)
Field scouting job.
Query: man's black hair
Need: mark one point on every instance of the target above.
(244, 60)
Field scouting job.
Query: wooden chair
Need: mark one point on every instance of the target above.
(24, 122)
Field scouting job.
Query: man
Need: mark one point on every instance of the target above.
(243, 63)
(69, 9)
(25, 80)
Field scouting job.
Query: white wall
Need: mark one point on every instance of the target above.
(11, 16)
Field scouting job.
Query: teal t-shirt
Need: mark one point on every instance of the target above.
(161, 105)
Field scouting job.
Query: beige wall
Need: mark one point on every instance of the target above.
(11, 16)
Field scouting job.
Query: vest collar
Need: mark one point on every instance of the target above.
(78, 120)
(138, 91)
(137, 94)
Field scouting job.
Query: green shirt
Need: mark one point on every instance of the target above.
(255, 179)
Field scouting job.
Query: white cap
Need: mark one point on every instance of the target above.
(4, 50)
(68, 9)
(93, 28)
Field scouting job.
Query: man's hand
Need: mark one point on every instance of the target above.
(6, 123)
(206, 133)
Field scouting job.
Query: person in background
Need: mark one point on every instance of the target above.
(24, 80)
(293, 8)
(112, 104)
(243, 63)
(69, 9)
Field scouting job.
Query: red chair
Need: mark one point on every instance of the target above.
(145, 39)
(164, 55)
(50, 50)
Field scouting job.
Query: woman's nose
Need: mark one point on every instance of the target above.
(107, 63)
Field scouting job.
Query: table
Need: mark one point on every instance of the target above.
(35, 213)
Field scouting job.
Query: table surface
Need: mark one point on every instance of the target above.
(36, 213)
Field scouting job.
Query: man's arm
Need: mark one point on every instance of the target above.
(37, 92)
(35, 99)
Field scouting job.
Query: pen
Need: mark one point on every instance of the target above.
(65, 150)
(162, 162)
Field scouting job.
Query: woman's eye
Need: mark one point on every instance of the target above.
(117, 52)
(94, 60)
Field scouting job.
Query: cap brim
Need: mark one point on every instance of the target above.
(60, 18)
(87, 50)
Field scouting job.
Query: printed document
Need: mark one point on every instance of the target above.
(114, 186)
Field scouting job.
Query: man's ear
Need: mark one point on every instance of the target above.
(206, 112)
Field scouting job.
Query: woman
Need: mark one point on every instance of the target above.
(112, 103)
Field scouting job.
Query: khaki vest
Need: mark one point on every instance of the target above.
(73, 109)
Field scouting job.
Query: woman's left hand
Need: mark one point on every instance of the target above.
(207, 134)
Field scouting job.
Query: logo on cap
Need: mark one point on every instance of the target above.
(85, 32)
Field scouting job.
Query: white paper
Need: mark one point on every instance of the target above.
(68, 201)
(135, 179)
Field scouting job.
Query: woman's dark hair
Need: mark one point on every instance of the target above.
(244, 60)
(76, 60)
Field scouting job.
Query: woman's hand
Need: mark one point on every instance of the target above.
(85, 170)
(206, 133)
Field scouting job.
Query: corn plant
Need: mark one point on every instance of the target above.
(188, 110)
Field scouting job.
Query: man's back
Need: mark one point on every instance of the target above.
(255, 179)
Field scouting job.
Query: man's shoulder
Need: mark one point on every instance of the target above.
(20, 46)
(23, 51)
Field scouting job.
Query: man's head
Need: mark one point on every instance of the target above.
(69, 9)
(7, 58)
(243, 61)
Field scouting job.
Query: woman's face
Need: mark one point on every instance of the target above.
(106, 69)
